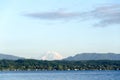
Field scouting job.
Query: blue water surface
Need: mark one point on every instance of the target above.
(60, 75)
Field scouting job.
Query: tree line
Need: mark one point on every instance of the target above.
(31, 64)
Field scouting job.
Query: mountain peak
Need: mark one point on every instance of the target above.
(52, 55)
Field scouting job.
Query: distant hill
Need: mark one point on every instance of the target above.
(9, 57)
(94, 56)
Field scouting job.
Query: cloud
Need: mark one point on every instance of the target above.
(57, 15)
(107, 15)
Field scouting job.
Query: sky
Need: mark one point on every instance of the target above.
(30, 28)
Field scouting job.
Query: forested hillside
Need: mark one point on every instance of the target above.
(29, 64)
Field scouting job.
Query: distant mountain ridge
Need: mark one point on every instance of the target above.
(94, 56)
(77, 57)
(9, 57)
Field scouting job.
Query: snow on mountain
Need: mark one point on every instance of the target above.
(51, 55)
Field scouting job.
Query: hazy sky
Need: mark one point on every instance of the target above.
(30, 28)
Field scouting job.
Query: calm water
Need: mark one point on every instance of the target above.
(61, 75)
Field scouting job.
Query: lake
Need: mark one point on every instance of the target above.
(60, 75)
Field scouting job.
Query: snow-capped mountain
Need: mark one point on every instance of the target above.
(51, 55)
